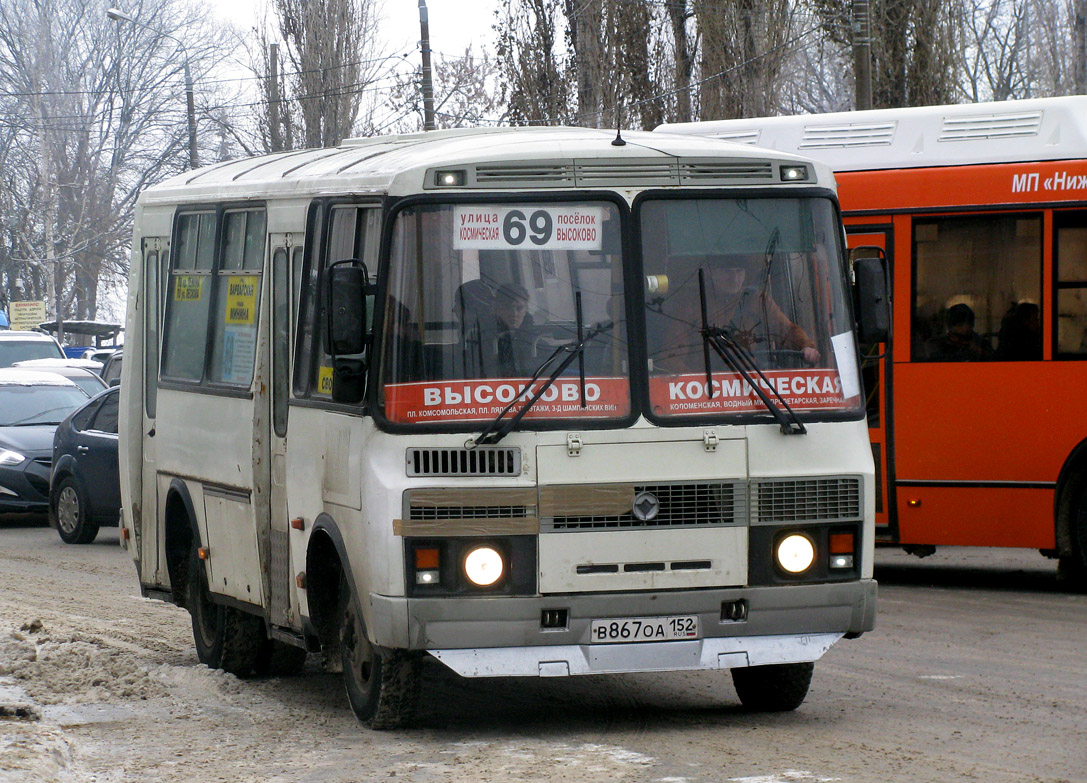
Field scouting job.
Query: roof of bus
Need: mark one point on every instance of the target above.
(496, 158)
(999, 132)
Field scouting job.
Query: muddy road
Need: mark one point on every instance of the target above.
(977, 671)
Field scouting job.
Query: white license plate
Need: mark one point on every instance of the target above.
(644, 629)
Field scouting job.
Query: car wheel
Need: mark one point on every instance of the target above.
(72, 518)
(775, 688)
(226, 638)
(382, 685)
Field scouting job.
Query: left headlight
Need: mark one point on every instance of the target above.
(795, 553)
(9, 458)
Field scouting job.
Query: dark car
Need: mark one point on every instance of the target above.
(85, 491)
(32, 404)
(111, 369)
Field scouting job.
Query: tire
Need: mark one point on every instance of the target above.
(279, 659)
(1072, 567)
(226, 638)
(777, 688)
(382, 685)
(70, 508)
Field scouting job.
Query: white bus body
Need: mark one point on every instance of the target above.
(293, 499)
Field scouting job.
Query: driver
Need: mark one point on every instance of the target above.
(749, 315)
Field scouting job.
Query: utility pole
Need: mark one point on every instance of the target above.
(862, 55)
(275, 135)
(428, 76)
(1081, 46)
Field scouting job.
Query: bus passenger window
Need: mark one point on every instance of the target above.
(1071, 261)
(977, 289)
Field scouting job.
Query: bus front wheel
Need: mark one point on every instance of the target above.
(382, 685)
(776, 688)
(226, 638)
(1072, 567)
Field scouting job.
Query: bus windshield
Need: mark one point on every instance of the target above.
(767, 270)
(481, 295)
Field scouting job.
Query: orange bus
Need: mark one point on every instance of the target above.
(977, 422)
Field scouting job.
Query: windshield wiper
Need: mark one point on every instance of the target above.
(740, 361)
(499, 427)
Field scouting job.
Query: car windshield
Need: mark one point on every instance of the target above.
(481, 295)
(42, 404)
(90, 383)
(12, 351)
(732, 280)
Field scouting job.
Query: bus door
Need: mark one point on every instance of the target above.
(286, 255)
(876, 375)
(156, 262)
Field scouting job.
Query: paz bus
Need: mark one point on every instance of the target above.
(472, 394)
(978, 430)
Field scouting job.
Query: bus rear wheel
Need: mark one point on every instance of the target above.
(1072, 567)
(776, 688)
(226, 638)
(382, 685)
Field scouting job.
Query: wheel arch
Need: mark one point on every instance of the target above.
(1071, 483)
(326, 561)
(181, 535)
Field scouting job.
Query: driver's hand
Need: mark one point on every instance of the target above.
(811, 355)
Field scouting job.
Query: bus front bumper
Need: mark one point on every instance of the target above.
(504, 636)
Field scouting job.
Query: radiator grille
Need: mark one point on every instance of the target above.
(538, 175)
(681, 505)
(482, 461)
(856, 134)
(433, 513)
(991, 126)
(802, 500)
(697, 172)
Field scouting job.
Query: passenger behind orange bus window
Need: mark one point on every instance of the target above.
(960, 343)
(748, 314)
(1020, 334)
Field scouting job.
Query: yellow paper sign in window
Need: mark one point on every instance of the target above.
(241, 300)
(189, 288)
(324, 380)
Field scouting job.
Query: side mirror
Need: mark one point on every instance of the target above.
(871, 295)
(346, 286)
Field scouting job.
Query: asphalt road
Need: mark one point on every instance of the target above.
(977, 671)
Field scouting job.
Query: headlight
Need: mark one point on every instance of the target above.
(483, 566)
(9, 458)
(795, 553)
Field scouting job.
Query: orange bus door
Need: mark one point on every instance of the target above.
(876, 376)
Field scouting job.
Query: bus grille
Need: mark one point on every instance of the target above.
(802, 500)
(681, 505)
(482, 461)
(434, 513)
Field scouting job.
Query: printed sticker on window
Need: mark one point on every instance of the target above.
(241, 300)
(189, 288)
(324, 380)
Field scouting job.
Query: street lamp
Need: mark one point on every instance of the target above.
(118, 15)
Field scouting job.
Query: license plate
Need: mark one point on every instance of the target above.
(644, 629)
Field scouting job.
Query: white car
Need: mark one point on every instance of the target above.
(21, 346)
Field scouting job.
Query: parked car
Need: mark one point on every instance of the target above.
(32, 404)
(20, 346)
(111, 370)
(82, 372)
(98, 354)
(84, 489)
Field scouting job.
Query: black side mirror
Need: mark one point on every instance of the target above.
(871, 295)
(346, 288)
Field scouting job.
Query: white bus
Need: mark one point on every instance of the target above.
(535, 402)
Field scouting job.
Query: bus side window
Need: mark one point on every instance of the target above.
(978, 283)
(1071, 277)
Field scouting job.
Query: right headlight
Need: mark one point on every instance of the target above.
(10, 458)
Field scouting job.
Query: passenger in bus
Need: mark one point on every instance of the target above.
(1020, 334)
(473, 310)
(960, 343)
(513, 343)
(747, 313)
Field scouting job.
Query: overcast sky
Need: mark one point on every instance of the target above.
(453, 23)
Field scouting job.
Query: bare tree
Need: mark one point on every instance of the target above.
(466, 94)
(93, 112)
(535, 74)
(915, 47)
(332, 56)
